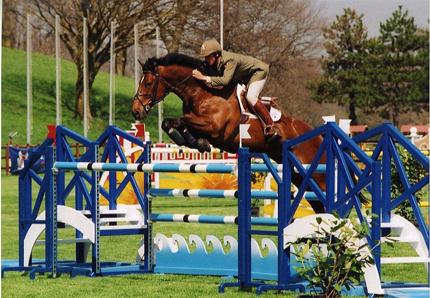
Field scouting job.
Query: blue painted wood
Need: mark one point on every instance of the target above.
(221, 260)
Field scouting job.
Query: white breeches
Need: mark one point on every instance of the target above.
(254, 91)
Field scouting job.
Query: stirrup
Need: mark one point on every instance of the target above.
(269, 130)
(271, 133)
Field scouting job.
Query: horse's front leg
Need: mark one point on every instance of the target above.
(202, 128)
(170, 126)
(178, 132)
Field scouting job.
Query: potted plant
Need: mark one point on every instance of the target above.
(335, 258)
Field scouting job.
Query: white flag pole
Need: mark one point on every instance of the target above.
(57, 70)
(29, 80)
(85, 50)
(160, 104)
(221, 25)
(112, 75)
(243, 133)
(136, 57)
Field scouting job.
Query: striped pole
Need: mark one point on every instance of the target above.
(209, 193)
(210, 219)
(160, 167)
(220, 193)
(136, 167)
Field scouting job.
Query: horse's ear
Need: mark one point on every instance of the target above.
(140, 62)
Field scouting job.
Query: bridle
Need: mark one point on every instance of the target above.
(153, 94)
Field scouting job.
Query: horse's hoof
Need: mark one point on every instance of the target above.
(203, 145)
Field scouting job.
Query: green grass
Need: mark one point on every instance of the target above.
(124, 249)
(14, 99)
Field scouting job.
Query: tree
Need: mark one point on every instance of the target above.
(179, 17)
(344, 80)
(285, 34)
(99, 14)
(402, 77)
(282, 33)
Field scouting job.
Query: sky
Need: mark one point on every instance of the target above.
(376, 11)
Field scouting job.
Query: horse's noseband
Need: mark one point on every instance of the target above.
(153, 95)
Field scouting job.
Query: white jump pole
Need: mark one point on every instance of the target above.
(221, 23)
(160, 105)
(112, 74)
(57, 70)
(29, 80)
(85, 50)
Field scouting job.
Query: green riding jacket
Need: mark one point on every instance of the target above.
(240, 69)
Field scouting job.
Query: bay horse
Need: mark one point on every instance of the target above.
(212, 116)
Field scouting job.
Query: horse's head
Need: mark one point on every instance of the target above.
(151, 90)
(163, 75)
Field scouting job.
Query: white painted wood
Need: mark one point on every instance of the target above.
(65, 215)
(117, 219)
(66, 241)
(122, 227)
(405, 231)
(404, 260)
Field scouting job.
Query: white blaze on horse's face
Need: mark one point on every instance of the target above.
(142, 98)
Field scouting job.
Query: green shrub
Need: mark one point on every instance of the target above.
(415, 172)
(335, 259)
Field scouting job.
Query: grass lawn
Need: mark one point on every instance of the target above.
(124, 249)
(14, 99)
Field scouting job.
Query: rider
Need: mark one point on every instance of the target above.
(238, 68)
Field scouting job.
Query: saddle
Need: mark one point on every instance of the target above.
(246, 111)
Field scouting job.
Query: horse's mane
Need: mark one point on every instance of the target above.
(178, 59)
(172, 59)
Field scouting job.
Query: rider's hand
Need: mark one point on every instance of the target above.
(199, 76)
